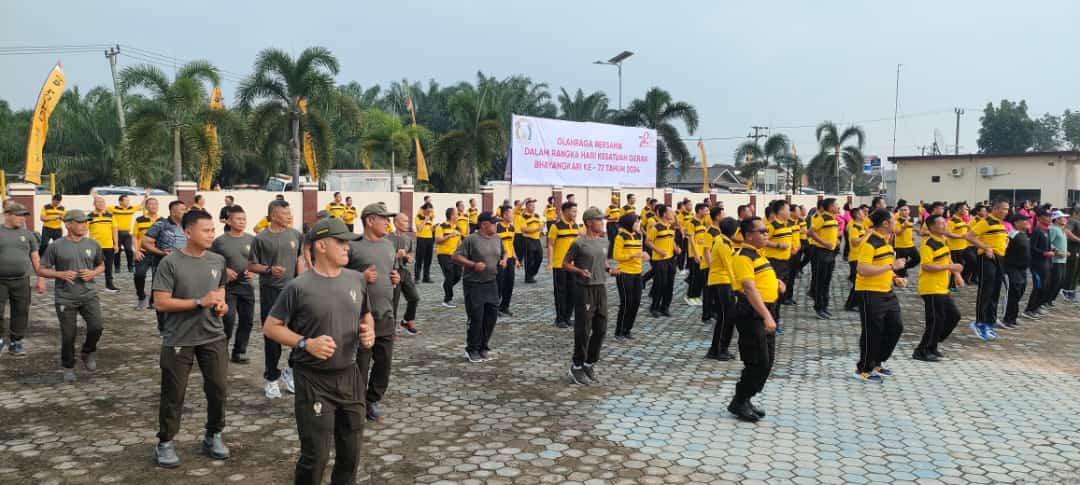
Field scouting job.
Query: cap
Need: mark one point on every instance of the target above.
(592, 213)
(376, 209)
(1058, 215)
(322, 214)
(486, 216)
(75, 215)
(331, 227)
(1014, 217)
(15, 208)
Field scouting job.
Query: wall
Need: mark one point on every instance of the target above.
(361, 199)
(1051, 175)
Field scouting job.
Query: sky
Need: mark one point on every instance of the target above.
(787, 65)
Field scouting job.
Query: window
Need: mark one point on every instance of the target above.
(1074, 197)
(935, 179)
(1016, 196)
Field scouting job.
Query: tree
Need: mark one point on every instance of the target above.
(1047, 133)
(83, 148)
(280, 82)
(1070, 128)
(178, 110)
(593, 107)
(750, 157)
(469, 150)
(1006, 129)
(658, 111)
(834, 155)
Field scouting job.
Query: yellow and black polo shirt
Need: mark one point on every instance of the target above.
(122, 216)
(560, 235)
(350, 215)
(614, 212)
(779, 233)
(626, 250)
(474, 215)
(425, 227)
(748, 264)
(991, 232)
(720, 261)
(101, 228)
(142, 224)
(550, 214)
(904, 237)
(336, 210)
(703, 241)
(957, 225)
(662, 237)
(531, 222)
(451, 243)
(934, 251)
(855, 231)
(506, 235)
(826, 227)
(876, 251)
(53, 211)
(628, 209)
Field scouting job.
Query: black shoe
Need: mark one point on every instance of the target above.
(505, 313)
(924, 356)
(724, 356)
(665, 313)
(214, 446)
(240, 358)
(654, 314)
(742, 411)
(711, 355)
(1009, 324)
(788, 302)
(758, 411)
(589, 373)
(562, 325)
(938, 353)
(851, 309)
(427, 280)
(627, 336)
(822, 315)
(577, 376)
(530, 281)
(827, 313)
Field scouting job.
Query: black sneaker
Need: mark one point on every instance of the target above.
(724, 356)
(1009, 324)
(589, 373)
(711, 355)
(562, 325)
(924, 356)
(474, 357)
(627, 336)
(654, 314)
(665, 313)
(485, 355)
(827, 313)
(742, 411)
(821, 315)
(240, 358)
(505, 313)
(577, 375)
(938, 353)
(788, 302)
(758, 411)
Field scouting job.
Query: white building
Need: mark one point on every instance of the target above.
(1052, 177)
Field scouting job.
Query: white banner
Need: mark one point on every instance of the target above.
(568, 153)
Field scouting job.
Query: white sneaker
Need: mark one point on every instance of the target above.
(271, 390)
(448, 305)
(689, 301)
(287, 378)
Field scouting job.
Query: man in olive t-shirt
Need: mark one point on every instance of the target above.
(235, 246)
(481, 254)
(586, 259)
(18, 260)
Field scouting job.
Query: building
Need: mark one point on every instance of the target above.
(722, 177)
(1052, 177)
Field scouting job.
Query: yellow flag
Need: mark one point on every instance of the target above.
(421, 164)
(39, 124)
(309, 148)
(213, 156)
(704, 167)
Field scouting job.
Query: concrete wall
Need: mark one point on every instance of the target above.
(1049, 174)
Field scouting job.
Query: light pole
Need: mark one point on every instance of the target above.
(617, 62)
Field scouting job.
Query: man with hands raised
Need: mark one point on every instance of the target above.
(324, 316)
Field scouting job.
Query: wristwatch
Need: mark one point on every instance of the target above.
(198, 303)
(302, 344)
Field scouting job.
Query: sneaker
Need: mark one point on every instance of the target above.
(240, 358)
(111, 290)
(271, 390)
(69, 375)
(724, 356)
(665, 313)
(979, 330)
(743, 411)
(409, 328)
(654, 314)
(577, 374)
(486, 356)
(991, 332)
(1042, 311)
(447, 304)
(882, 371)
(1049, 304)
(869, 377)
(821, 315)
(954, 290)
(758, 411)
(689, 301)
(214, 445)
(375, 413)
(562, 325)
(505, 313)
(89, 362)
(938, 353)
(165, 455)
(1031, 315)
(627, 336)
(698, 302)
(474, 357)
(17, 349)
(827, 313)
(287, 379)
(589, 373)
(925, 356)
(1009, 325)
(779, 330)
(140, 305)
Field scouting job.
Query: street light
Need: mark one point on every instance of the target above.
(617, 62)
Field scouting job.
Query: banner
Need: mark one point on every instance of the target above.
(421, 163)
(556, 152)
(39, 124)
(309, 147)
(213, 155)
(704, 167)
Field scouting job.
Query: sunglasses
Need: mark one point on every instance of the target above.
(759, 231)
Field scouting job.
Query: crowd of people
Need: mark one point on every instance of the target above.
(332, 292)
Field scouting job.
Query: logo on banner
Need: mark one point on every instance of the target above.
(644, 140)
(523, 130)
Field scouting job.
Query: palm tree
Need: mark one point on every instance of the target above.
(658, 112)
(834, 154)
(750, 157)
(83, 147)
(280, 82)
(593, 107)
(179, 109)
(470, 149)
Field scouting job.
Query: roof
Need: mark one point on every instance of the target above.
(916, 158)
(719, 174)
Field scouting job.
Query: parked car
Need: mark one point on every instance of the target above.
(126, 190)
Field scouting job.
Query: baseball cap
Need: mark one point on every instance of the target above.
(376, 209)
(592, 213)
(330, 227)
(487, 216)
(1015, 216)
(1057, 215)
(15, 208)
(322, 214)
(75, 215)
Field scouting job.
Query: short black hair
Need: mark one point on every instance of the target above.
(337, 194)
(627, 221)
(875, 200)
(998, 202)
(122, 197)
(426, 206)
(630, 196)
(699, 206)
(728, 226)
(279, 197)
(660, 210)
(777, 204)
(175, 203)
(901, 203)
(568, 205)
(276, 204)
(715, 211)
(551, 199)
(57, 197)
(827, 202)
(233, 209)
(198, 197)
(879, 216)
(505, 209)
(932, 218)
(747, 225)
(450, 210)
(192, 217)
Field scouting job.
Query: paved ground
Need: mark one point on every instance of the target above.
(1000, 412)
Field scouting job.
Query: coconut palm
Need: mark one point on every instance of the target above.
(469, 150)
(593, 107)
(83, 148)
(750, 157)
(834, 154)
(177, 109)
(658, 111)
(280, 82)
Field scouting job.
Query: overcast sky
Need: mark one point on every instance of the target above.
(779, 64)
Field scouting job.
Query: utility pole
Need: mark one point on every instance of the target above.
(958, 111)
(111, 54)
(757, 134)
(896, 109)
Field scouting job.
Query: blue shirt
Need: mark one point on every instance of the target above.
(166, 235)
(1059, 243)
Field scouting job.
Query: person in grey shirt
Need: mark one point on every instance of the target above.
(375, 256)
(587, 260)
(235, 246)
(323, 315)
(1060, 244)
(406, 247)
(481, 254)
(19, 259)
(189, 289)
(277, 257)
(73, 262)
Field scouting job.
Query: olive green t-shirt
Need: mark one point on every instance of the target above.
(313, 305)
(277, 249)
(67, 255)
(189, 277)
(589, 254)
(15, 248)
(380, 253)
(236, 251)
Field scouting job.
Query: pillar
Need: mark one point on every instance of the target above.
(24, 194)
(309, 192)
(556, 192)
(185, 192)
(487, 199)
(753, 202)
(712, 197)
(851, 200)
(820, 197)
(787, 197)
(668, 194)
(405, 202)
